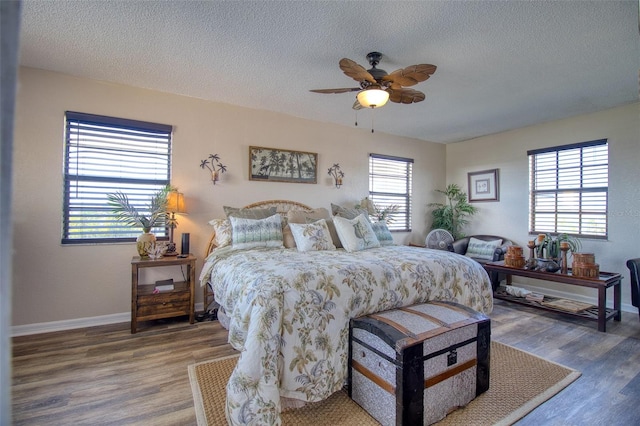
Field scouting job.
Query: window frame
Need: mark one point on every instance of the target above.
(581, 189)
(78, 126)
(377, 197)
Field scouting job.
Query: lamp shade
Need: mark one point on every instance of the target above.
(175, 202)
(373, 98)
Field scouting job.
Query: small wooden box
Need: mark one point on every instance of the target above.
(584, 265)
(414, 365)
(514, 257)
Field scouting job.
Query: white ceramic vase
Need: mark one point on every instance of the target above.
(144, 242)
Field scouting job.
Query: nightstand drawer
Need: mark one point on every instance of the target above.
(176, 308)
(164, 298)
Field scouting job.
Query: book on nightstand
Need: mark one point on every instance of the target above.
(164, 285)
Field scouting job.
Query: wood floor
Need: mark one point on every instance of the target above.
(106, 376)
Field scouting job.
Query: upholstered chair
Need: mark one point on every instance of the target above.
(634, 270)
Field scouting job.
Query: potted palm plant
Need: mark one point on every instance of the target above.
(155, 215)
(455, 213)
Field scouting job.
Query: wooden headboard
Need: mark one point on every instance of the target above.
(282, 207)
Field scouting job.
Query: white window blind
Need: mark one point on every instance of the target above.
(569, 189)
(104, 155)
(390, 181)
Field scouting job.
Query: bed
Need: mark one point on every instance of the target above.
(288, 311)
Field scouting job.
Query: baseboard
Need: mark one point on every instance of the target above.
(625, 307)
(49, 327)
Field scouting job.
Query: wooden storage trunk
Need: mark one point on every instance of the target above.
(414, 365)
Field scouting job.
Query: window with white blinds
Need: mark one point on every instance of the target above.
(104, 155)
(569, 189)
(390, 185)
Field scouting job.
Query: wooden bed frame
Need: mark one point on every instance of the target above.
(282, 207)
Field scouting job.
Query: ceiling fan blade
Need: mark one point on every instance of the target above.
(357, 105)
(343, 90)
(411, 75)
(355, 71)
(405, 96)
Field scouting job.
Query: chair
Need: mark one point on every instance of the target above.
(634, 267)
(460, 246)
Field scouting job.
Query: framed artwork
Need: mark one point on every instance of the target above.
(483, 186)
(281, 165)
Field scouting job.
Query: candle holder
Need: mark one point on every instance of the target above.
(532, 247)
(564, 248)
(337, 174)
(214, 165)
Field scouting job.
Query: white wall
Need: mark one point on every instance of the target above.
(509, 217)
(54, 283)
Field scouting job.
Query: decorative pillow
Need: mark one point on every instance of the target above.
(382, 233)
(249, 213)
(482, 249)
(249, 233)
(222, 232)
(313, 236)
(356, 234)
(348, 213)
(287, 237)
(300, 216)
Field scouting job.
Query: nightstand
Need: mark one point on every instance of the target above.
(147, 305)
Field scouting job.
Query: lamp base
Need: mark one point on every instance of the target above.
(171, 250)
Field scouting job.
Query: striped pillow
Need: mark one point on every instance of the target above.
(250, 233)
(484, 250)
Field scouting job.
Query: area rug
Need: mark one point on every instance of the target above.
(519, 382)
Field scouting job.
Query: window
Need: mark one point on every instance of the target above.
(569, 189)
(104, 155)
(390, 184)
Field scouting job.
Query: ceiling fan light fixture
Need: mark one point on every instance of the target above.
(373, 98)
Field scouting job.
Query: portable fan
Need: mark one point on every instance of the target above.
(438, 239)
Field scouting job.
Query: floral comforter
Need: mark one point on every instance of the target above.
(289, 313)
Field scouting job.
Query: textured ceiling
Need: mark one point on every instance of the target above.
(501, 65)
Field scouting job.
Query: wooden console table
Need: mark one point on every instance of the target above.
(601, 313)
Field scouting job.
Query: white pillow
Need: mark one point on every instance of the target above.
(249, 233)
(222, 232)
(301, 216)
(382, 233)
(313, 236)
(356, 234)
(482, 249)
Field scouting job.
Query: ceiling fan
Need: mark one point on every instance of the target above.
(377, 86)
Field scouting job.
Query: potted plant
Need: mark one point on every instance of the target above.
(552, 245)
(455, 213)
(156, 215)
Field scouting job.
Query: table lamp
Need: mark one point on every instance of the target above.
(175, 204)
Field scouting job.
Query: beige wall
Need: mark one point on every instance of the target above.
(55, 283)
(508, 152)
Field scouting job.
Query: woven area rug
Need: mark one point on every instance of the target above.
(520, 382)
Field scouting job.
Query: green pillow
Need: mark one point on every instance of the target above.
(249, 213)
(382, 233)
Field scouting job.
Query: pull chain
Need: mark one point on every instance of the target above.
(372, 113)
